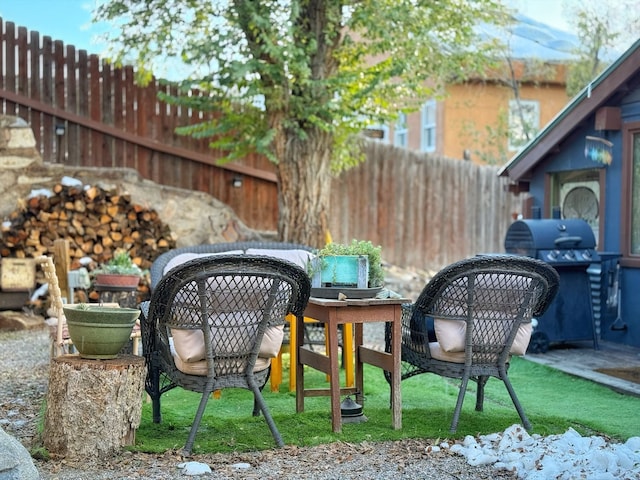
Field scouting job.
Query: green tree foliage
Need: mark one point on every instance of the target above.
(603, 29)
(298, 80)
(594, 36)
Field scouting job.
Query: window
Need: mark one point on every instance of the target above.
(428, 121)
(524, 121)
(401, 132)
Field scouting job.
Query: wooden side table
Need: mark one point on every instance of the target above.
(357, 312)
(124, 296)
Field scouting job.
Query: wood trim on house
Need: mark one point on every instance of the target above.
(626, 204)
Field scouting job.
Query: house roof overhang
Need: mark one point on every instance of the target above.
(607, 88)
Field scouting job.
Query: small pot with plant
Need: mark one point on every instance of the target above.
(119, 272)
(355, 269)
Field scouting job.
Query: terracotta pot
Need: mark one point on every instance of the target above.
(116, 280)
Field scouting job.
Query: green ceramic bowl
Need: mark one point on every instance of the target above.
(98, 314)
(99, 340)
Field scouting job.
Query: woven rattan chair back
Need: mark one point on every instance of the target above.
(230, 301)
(487, 302)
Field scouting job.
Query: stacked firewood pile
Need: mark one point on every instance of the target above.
(96, 222)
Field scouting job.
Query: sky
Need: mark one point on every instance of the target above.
(70, 20)
(66, 20)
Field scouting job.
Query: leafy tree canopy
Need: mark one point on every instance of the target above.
(283, 67)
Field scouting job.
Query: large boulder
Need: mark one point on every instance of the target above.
(15, 461)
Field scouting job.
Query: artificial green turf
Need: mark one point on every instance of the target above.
(553, 401)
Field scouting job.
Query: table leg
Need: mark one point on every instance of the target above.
(396, 394)
(359, 368)
(299, 369)
(276, 372)
(334, 381)
(293, 351)
(347, 345)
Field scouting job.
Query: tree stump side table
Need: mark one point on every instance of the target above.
(93, 406)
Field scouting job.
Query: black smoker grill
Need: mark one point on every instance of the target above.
(569, 246)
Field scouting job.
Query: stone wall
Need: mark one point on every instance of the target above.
(194, 217)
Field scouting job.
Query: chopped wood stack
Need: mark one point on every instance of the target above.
(95, 221)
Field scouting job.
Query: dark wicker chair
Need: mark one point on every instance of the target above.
(232, 300)
(313, 332)
(486, 300)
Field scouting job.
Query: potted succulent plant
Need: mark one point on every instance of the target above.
(119, 272)
(353, 268)
(99, 332)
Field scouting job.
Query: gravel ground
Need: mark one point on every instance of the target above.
(24, 375)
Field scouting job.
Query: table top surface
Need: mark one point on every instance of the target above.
(357, 302)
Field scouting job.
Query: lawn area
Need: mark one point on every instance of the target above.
(553, 401)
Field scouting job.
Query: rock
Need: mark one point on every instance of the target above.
(569, 455)
(15, 461)
(12, 320)
(194, 468)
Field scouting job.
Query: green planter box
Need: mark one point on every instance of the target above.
(342, 271)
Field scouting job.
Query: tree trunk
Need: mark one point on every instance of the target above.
(304, 186)
(93, 406)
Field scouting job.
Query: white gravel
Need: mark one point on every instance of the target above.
(562, 457)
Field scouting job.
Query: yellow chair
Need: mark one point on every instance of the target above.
(276, 363)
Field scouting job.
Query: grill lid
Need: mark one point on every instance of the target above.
(552, 240)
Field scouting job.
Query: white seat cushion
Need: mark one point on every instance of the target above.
(296, 256)
(185, 257)
(451, 335)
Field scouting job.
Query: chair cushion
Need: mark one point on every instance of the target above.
(185, 257)
(439, 354)
(496, 296)
(297, 256)
(200, 368)
(189, 344)
(451, 335)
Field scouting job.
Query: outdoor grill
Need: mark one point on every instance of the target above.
(568, 242)
(568, 245)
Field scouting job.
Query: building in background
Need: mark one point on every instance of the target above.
(481, 119)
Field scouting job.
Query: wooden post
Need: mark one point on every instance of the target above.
(93, 406)
(62, 261)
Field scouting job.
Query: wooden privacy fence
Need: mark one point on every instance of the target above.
(425, 212)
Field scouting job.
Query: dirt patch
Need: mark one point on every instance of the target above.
(630, 374)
